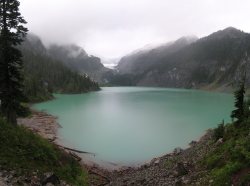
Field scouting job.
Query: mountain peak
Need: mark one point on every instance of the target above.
(230, 29)
(230, 32)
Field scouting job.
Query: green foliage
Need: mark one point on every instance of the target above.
(247, 108)
(231, 156)
(222, 176)
(12, 32)
(24, 110)
(26, 152)
(44, 76)
(214, 161)
(219, 131)
(238, 113)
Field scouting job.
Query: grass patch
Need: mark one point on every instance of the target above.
(26, 152)
(232, 156)
(222, 176)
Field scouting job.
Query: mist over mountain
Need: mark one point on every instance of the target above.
(215, 61)
(43, 75)
(212, 62)
(141, 60)
(71, 55)
(77, 59)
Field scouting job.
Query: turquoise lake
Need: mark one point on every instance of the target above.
(131, 125)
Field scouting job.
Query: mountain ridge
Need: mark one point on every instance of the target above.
(209, 62)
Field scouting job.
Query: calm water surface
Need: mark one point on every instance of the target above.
(128, 125)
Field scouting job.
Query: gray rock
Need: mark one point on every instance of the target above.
(157, 162)
(219, 141)
(50, 178)
(178, 150)
(180, 170)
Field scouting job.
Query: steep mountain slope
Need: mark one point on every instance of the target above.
(211, 62)
(78, 60)
(44, 75)
(141, 60)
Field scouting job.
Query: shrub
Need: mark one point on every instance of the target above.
(219, 131)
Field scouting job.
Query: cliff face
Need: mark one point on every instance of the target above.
(217, 60)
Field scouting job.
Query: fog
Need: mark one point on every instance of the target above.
(113, 28)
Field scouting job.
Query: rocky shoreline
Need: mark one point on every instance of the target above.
(181, 167)
(41, 123)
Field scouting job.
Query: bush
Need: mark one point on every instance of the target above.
(219, 131)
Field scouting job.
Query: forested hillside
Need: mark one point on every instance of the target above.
(212, 62)
(77, 59)
(44, 75)
(141, 60)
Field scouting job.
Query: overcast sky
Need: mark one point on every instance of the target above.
(113, 28)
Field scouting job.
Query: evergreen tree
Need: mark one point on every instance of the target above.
(12, 33)
(239, 104)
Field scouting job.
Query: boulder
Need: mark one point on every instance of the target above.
(50, 178)
(180, 170)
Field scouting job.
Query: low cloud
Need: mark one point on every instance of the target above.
(113, 28)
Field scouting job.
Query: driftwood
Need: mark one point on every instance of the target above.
(75, 156)
(91, 171)
(74, 150)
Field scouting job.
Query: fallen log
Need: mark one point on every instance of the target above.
(77, 158)
(74, 150)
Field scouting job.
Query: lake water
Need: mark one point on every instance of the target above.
(127, 125)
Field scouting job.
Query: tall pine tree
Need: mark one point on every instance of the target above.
(239, 95)
(12, 33)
